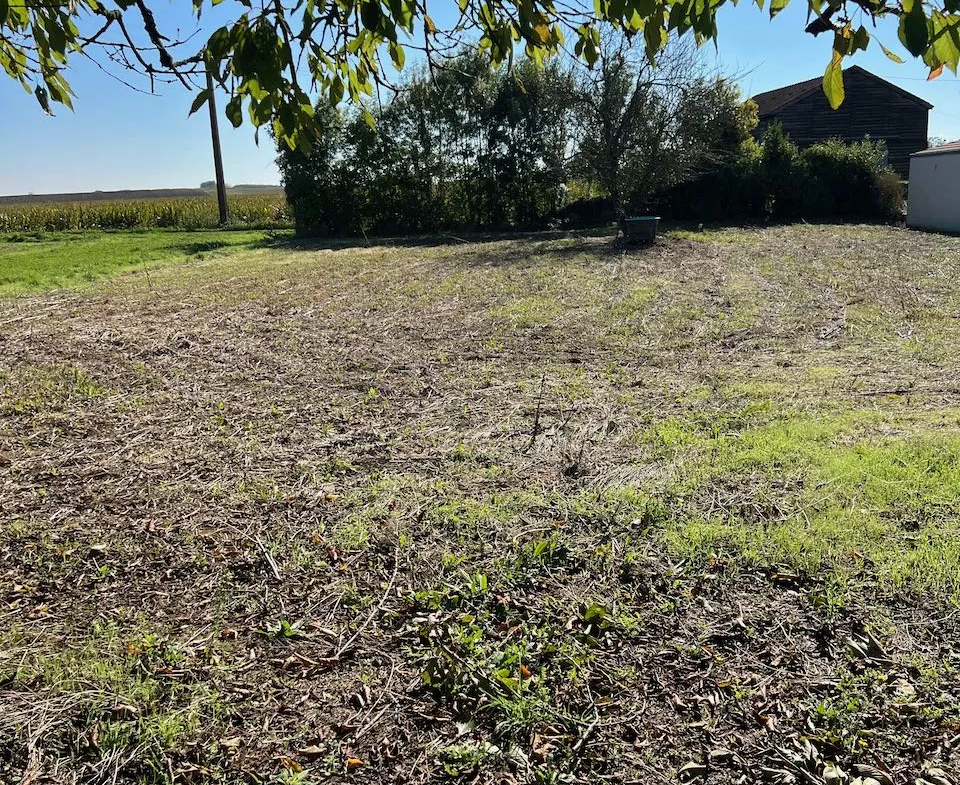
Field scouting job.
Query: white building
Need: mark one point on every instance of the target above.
(933, 200)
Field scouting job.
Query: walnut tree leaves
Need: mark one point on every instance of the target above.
(275, 58)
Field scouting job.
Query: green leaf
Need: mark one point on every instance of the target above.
(913, 30)
(892, 55)
(678, 13)
(397, 55)
(861, 39)
(260, 111)
(655, 35)
(59, 92)
(776, 6)
(4, 10)
(253, 88)
(842, 42)
(202, 97)
(234, 111)
(946, 42)
(43, 98)
(219, 44)
(57, 36)
(833, 81)
(336, 90)
(371, 14)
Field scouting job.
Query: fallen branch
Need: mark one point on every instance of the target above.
(907, 391)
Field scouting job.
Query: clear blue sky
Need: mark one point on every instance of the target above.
(117, 138)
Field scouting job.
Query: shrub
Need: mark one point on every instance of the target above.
(784, 172)
(733, 191)
(587, 212)
(470, 146)
(774, 180)
(850, 181)
(889, 195)
(316, 184)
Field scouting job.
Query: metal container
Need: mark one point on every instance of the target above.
(640, 230)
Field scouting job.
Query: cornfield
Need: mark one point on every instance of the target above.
(252, 210)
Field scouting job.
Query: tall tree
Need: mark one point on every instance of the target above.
(646, 128)
(468, 145)
(273, 56)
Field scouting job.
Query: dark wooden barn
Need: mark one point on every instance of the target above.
(873, 107)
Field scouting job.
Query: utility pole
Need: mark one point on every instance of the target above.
(217, 157)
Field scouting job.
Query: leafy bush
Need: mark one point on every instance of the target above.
(775, 180)
(845, 180)
(475, 147)
(317, 188)
(889, 194)
(468, 147)
(587, 212)
(731, 191)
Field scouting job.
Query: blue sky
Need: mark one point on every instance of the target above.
(117, 138)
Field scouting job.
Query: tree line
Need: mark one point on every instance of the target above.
(473, 146)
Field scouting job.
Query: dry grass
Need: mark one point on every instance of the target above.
(518, 511)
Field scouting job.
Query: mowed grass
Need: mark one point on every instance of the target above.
(540, 511)
(33, 262)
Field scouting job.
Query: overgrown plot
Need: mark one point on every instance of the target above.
(545, 512)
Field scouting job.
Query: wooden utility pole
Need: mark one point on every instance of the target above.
(217, 157)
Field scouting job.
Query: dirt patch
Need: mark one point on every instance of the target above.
(500, 512)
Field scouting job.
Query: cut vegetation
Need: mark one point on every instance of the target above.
(518, 511)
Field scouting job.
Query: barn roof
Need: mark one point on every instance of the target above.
(952, 147)
(772, 101)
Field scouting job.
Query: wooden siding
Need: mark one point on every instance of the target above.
(870, 109)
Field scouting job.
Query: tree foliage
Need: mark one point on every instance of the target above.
(274, 56)
(472, 146)
(645, 128)
(467, 146)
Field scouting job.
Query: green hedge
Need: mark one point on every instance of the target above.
(774, 180)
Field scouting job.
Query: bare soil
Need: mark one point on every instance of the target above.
(482, 513)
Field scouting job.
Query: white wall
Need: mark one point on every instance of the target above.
(933, 200)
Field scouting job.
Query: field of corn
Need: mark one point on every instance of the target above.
(268, 210)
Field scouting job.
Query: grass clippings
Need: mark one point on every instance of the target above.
(516, 511)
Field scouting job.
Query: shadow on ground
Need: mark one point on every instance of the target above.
(284, 241)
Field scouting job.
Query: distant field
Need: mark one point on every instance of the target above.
(147, 193)
(261, 210)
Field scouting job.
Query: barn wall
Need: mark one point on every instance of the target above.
(870, 108)
(933, 201)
